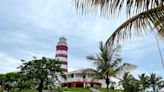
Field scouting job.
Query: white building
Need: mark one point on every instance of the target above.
(81, 78)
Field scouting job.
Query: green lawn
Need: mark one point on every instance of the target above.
(26, 90)
(104, 90)
(77, 89)
(65, 89)
(29, 90)
(72, 89)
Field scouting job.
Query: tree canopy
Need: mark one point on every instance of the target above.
(42, 70)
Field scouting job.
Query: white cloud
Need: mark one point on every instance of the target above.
(8, 64)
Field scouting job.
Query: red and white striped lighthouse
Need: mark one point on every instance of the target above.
(61, 52)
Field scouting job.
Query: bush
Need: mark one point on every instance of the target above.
(87, 87)
(1, 90)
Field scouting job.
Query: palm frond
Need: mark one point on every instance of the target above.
(116, 62)
(138, 25)
(126, 67)
(92, 58)
(97, 76)
(111, 7)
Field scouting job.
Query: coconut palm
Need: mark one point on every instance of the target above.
(129, 83)
(144, 81)
(108, 63)
(143, 15)
(155, 81)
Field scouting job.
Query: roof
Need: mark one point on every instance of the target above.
(88, 70)
(62, 37)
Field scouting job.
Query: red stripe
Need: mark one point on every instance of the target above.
(64, 62)
(61, 47)
(61, 55)
(65, 70)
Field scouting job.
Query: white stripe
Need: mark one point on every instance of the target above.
(65, 44)
(64, 66)
(61, 52)
(61, 58)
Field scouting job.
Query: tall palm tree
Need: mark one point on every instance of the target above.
(108, 63)
(155, 81)
(143, 15)
(144, 81)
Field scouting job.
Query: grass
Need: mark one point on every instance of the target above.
(77, 89)
(104, 90)
(71, 90)
(64, 89)
(25, 90)
(29, 90)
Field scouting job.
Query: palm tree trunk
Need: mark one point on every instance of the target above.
(107, 83)
(154, 88)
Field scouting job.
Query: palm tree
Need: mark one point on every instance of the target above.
(108, 63)
(144, 81)
(155, 81)
(129, 83)
(148, 14)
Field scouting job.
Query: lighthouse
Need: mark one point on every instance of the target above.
(73, 78)
(61, 53)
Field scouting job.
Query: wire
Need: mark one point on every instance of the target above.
(160, 53)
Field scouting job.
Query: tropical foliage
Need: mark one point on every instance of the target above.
(2, 78)
(43, 71)
(155, 81)
(131, 84)
(108, 63)
(143, 15)
(15, 80)
(144, 81)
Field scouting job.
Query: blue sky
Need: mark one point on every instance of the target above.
(32, 28)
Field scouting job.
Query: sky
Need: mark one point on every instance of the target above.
(32, 28)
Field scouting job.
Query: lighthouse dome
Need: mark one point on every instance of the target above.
(62, 39)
